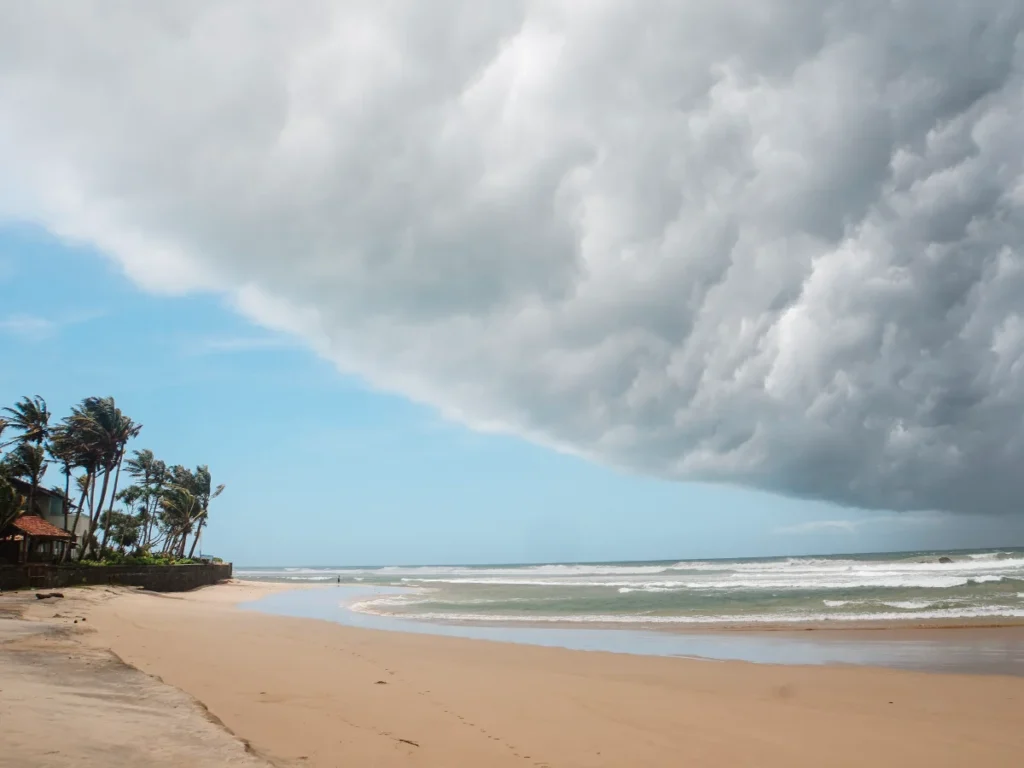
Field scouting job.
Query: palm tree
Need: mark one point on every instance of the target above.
(10, 501)
(10, 504)
(85, 484)
(133, 498)
(31, 416)
(206, 494)
(180, 509)
(65, 449)
(27, 461)
(83, 452)
(186, 506)
(106, 431)
(151, 475)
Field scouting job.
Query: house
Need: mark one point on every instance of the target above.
(30, 539)
(49, 505)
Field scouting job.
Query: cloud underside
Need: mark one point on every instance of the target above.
(774, 244)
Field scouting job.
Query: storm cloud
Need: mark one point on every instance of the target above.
(773, 244)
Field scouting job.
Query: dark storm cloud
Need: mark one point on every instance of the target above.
(776, 244)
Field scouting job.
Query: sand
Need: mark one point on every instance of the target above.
(64, 703)
(304, 692)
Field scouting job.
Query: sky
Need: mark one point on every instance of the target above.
(532, 281)
(321, 468)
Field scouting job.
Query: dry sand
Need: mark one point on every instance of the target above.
(63, 703)
(312, 693)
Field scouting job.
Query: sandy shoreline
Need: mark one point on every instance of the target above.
(313, 693)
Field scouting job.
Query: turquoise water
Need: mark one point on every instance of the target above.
(915, 586)
(975, 651)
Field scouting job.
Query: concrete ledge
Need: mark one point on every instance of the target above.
(157, 578)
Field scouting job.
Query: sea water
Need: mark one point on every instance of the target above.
(911, 586)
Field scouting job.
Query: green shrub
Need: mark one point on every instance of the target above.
(116, 558)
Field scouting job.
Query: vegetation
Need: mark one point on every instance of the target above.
(156, 519)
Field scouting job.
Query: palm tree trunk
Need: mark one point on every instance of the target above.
(67, 491)
(30, 505)
(113, 496)
(95, 511)
(66, 504)
(36, 478)
(78, 515)
(151, 520)
(184, 540)
(195, 541)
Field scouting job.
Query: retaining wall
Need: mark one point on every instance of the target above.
(157, 578)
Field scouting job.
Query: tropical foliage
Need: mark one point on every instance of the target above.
(158, 516)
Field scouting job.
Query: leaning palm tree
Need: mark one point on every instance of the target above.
(206, 494)
(10, 502)
(83, 451)
(180, 510)
(31, 416)
(65, 450)
(28, 462)
(151, 476)
(133, 499)
(105, 431)
(85, 485)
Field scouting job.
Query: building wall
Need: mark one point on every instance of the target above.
(51, 509)
(52, 506)
(56, 517)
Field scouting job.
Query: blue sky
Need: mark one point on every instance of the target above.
(320, 469)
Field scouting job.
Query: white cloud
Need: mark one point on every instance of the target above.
(28, 327)
(231, 344)
(772, 244)
(36, 328)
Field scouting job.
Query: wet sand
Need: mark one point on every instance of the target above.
(314, 693)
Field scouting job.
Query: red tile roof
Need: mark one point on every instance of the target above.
(33, 525)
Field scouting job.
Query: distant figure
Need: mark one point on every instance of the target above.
(339, 580)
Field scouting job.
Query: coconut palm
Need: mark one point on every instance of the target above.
(31, 416)
(11, 501)
(85, 484)
(66, 451)
(28, 462)
(133, 519)
(180, 510)
(205, 493)
(165, 506)
(105, 431)
(151, 476)
(84, 452)
(188, 506)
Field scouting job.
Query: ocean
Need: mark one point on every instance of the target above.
(889, 587)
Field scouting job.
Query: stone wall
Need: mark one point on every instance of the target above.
(156, 578)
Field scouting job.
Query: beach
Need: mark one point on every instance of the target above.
(315, 693)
